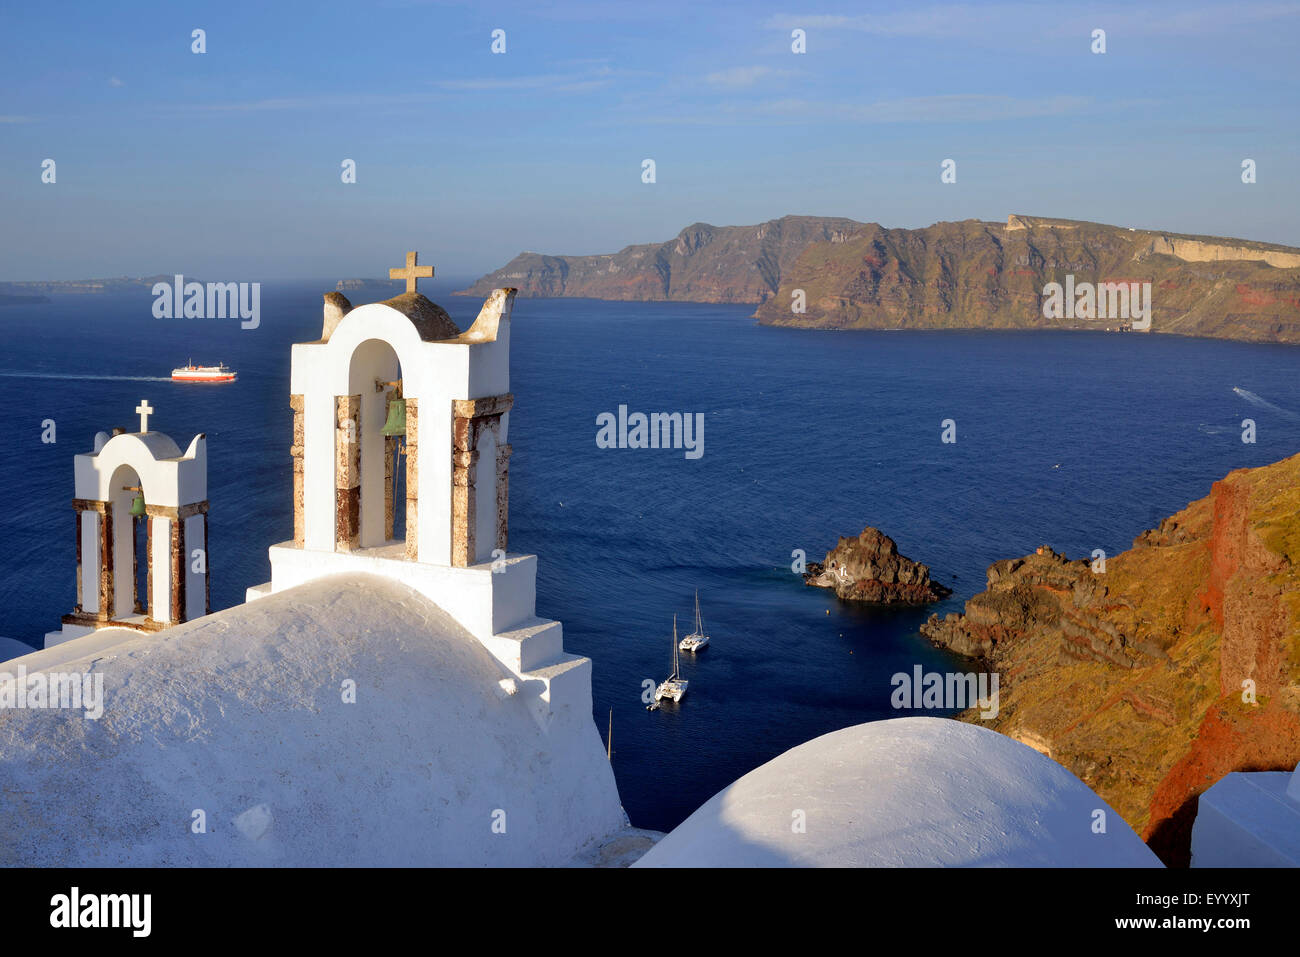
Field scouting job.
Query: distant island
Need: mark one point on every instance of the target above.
(951, 275)
(80, 287)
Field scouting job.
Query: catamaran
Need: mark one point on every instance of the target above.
(675, 685)
(696, 639)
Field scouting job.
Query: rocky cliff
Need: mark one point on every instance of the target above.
(1174, 663)
(869, 568)
(975, 274)
(971, 274)
(702, 264)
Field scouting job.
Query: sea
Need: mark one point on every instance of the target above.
(1075, 440)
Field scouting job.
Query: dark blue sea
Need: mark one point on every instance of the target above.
(1075, 440)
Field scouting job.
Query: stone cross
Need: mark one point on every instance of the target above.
(145, 410)
(412, 272)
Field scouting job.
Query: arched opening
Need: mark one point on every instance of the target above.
(375, 376)
(130, 552)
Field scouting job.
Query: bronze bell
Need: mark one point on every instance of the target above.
(396, 424)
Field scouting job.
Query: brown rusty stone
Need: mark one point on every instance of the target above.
(77, 609)
(390, 454)
(503, 496)
(347, 472)
(148, 572)
(207, 570)
(296, 450)
(412, 478)
(481, 408)
(178, 571)
(106, 563)
(135, 564)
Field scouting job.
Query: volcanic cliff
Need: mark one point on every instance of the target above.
(1156, 673)
(868, 568)
(952, 275)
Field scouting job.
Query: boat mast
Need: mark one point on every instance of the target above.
(674, 646)
(609, 738)
(699, 622)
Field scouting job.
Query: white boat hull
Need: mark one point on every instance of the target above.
(694, 642)
(673, 689)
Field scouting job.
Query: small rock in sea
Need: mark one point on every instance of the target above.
(868, 568)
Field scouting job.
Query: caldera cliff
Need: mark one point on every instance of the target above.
(835, 273)
(1155, 674)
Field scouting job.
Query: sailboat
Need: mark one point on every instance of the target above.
(675, 685)
(696, 639)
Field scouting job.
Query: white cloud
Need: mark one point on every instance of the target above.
(114, 81)
(742, 77)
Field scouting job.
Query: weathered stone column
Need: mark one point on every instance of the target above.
(503, 495)
(77, 609)
(347, 472)
(296, 450)
(136, 605)
(105, 612)
(148, 572)
(412, 479)
(178, 571)
(207, 569)
(470, 417)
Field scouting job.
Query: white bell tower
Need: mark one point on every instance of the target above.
(373, 365)
(129, 480)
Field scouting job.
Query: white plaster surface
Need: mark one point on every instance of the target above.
(1247, 819)
(907, 792)
(240, 714)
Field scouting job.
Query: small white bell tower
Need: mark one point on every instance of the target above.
(129, 480)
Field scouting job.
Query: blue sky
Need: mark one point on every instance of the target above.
(226, 165)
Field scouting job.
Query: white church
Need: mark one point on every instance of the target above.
(390, 696)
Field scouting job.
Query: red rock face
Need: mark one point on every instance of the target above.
(1231, 738)
(1199, 616)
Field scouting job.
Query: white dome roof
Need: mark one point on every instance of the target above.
(240, 714)
(907, 792)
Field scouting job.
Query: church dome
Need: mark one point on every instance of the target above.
(246, 715)
(907, 792)
(431, 321)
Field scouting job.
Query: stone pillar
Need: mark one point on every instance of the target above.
(178, 571)
(390, 459)
(148, 572)
(503, 495)
(463, 506)
(470, 417)
(136, 605)
(296, 450)
(347, 472)
(207, 569)
(412, 478)
(105, 612)
(78, 610)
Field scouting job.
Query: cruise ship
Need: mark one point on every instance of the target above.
(192, 373)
